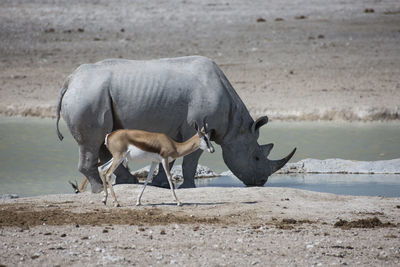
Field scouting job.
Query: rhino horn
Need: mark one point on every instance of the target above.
(266, 149)
(277, 164)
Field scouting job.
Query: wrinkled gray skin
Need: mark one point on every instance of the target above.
(168, 96)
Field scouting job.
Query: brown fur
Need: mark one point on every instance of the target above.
(151, 142)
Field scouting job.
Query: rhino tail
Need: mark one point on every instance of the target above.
(60, 97)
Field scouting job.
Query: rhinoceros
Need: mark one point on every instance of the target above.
(167, 96)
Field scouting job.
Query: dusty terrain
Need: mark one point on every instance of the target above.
(214, 227)
(287, 59)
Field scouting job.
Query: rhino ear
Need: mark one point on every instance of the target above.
(258, 123)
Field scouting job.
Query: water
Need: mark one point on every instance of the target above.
(386, 185)
(34, 162)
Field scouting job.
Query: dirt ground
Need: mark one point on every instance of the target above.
(287, 59)
(214, 227)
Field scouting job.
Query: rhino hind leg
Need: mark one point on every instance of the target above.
(160, 180)
(122, 173)
(189, 167)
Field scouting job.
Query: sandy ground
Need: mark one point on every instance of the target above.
(214, 227)
(287, 59)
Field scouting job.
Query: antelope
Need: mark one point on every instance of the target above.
(133, 145)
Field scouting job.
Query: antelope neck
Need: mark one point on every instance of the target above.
(188, 146)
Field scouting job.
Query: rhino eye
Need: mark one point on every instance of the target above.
(257, 158)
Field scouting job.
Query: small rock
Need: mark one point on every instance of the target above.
(382, 255)
(10, 196)
(300, 17)
(63, 235)
(279, 19)
(261, 20)
(369, 10)
(35, 256)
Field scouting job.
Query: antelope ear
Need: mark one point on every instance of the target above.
(258, 123)
(205, 124)
(205, 127)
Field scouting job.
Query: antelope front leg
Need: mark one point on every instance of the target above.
(169, 176)
(151, 171)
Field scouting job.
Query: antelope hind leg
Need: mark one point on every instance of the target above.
(151, 171)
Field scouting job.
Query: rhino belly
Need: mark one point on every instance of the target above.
(145, 104)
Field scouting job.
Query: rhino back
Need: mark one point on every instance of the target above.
(165, 95)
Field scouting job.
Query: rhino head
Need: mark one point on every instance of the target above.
(247, 159)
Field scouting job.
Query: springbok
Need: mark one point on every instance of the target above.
(132, 145)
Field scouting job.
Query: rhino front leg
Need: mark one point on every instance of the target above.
(122, 173)
(189, 167)
(88, 166)
(160, 180)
